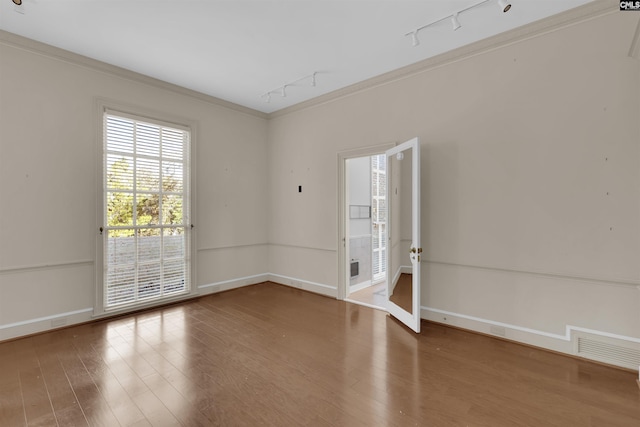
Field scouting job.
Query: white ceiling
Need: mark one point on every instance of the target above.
(238, 50)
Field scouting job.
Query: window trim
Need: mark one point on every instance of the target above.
(102, 106)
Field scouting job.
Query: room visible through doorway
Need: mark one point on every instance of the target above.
(367, 230)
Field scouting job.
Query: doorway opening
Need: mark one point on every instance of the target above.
(401, 231)
(366, 237)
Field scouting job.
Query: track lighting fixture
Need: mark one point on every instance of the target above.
(17, 2)
(454, 21)
(282, 90)
(505, 6)
(414, 38)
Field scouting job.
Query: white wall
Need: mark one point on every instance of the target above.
(530, 182)
(48, 181)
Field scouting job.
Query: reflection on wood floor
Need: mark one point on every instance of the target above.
(403, 292)
(376, 296)
(271, 355)
(373, 296)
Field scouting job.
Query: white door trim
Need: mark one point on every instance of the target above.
(343, 215)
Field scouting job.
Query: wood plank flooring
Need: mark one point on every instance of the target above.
(403, 292)
(375, 296)
(277, 356)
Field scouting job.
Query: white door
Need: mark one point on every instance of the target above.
(404, 249)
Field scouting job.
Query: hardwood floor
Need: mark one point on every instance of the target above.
(403, 292)
(273, 355)
(374, 296)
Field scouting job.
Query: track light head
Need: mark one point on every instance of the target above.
(415, 41)
(282, 90)
(504, 5)
(17, 2)
(454, 21)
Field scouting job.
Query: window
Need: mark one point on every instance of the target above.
(379, 215)
(146, 206)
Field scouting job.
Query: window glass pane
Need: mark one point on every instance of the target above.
(382, 210)
(148, 209)
(149, 244)
(173, 141)
(119, 172)
(147, 137)
(147, 174)
(172, 177)
(174, 274)
(172, 210)
(119, 209)
(148, 279)
(382, 162)
(119, 134)
(121, 246)
(121, 284)
(173, 243)
(374, 182)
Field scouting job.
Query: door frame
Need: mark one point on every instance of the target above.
(343, 208)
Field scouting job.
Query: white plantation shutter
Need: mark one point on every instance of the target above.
(146, 205)
(379, 215)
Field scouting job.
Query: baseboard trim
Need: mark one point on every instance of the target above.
(360, 286)
(225, 285)
(569, 329)
(562, 343)
(44, 323)
(318, 288)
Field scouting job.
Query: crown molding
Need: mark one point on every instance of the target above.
(553, 23)
(39, 48)
(565, 19)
